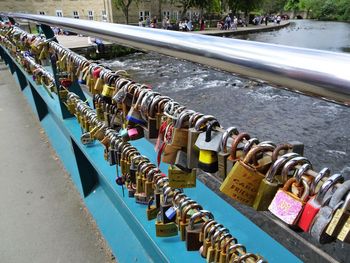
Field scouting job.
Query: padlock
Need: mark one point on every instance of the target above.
(152, 210)
(153, 125)
(149, 191)
(209, 146)
(315, 202)
(182, 205)
(168, 213)
(194, 228)
(181, 179)
(169, 150)
(339, 218)
(287, 206)
(180, 132)
(344, 234)
(204, 231)
(187, 211)
(243, 181)
(209, 231)
(192, 150)
(165, 229)
(269, 185)
(135, 133)
(134, 115)
(213, 248)
(224, 154)
(224, 237)
(236, 152)
(227, 244)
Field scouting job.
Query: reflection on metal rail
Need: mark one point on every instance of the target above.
(316, 73)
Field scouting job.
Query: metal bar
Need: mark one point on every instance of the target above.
(316, 73)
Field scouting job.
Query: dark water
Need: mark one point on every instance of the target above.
(264, 112)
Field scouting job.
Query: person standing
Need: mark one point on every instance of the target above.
(235, 23)
(266, 20)
(202, 24)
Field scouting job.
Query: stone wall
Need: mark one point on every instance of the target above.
(82, 7)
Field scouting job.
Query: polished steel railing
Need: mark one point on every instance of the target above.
(311, 72)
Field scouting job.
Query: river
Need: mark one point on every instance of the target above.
(263, 111)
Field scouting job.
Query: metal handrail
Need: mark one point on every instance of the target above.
(316, 73)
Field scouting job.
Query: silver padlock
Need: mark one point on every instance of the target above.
(324, 216)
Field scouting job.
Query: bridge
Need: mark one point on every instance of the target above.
(60, 104)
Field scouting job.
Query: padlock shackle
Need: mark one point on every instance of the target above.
(328, 184)
(186, 114)
(194, 118)
(229, 132)
(339, 194)
(248, 146)
(253, 152)
(301, 171)
(187, 209)
(232, 249)
(202, 120)
(306, 191)
(291, 164)
(206, 226)
(325, 172)
(210, 128)
(218, 232)
(222, 238)
(235, 143)
(200, 214)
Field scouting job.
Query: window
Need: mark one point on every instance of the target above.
(104, 16)
(141, 15)
(176, 15)
(189, 15)
(76, 14)
(42, 13)
(59, 13)
(91, 15)
(166, 14)
(147, 14)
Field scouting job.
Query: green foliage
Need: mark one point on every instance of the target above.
(273, 6)
(321, 9)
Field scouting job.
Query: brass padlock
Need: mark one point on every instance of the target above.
(193, 229)
(270, 184)
(213, 248)
(188, 206)
(165, 229)
(339, 218)
(152, 211)
(224, 154)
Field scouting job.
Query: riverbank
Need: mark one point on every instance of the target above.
(244, 30)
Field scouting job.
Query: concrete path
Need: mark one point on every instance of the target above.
(244, 30)
(42, 218)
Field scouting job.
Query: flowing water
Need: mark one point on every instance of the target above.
(265, 112)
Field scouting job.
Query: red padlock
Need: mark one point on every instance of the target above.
(96, 72)
(316, 201)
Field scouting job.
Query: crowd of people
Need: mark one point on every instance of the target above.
(181, 25)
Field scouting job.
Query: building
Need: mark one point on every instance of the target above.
(98, 10)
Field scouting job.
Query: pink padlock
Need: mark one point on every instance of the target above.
(287, 206)
(135, 133)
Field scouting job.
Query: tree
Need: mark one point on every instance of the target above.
(209, 5)
(273, 6)
(123, 5)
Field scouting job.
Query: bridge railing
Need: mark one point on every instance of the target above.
(321, 75)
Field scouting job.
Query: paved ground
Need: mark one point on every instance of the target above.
(42, 218)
